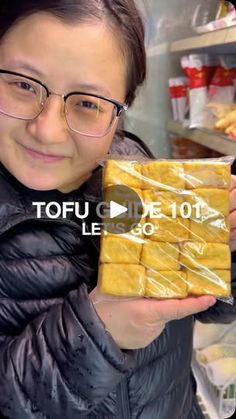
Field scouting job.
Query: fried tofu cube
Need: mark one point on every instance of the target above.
(207, 174)
(160, 256)
(163, 175)
(122, 172)
(201, 255)
(167, 229)
(120, 250)
(122, 280)
(205, 281)
(136, 232)
(212, 230)
(213, 202)
(165, 199)
(166, 284)
(123, 194)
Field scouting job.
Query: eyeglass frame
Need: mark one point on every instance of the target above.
(120, 107)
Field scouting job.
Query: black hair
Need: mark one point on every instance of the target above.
(122, 15)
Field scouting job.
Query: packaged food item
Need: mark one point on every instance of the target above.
(199, 69)
(207, 334)
(227, 121)
(173, 98)
(205, 11)
(222, 88)
(184, 245)
(222, 114)
(221, 92)
(225, 16)
(213, 352)
(179, 97)
(222, 371)
(230, 335)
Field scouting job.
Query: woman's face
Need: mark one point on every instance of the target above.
(83, 57)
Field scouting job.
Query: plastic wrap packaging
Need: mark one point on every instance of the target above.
(222, 372)
(180, 247)
(206, 334)
(225, 17)
(179, 97)
(224, 117)
(221, 93)
(219, 362)
(173, 98)
(199, 68)
(212, 87)
(222, 88)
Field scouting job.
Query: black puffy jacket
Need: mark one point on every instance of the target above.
(56, 359)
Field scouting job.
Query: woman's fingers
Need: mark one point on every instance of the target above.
(168, 310)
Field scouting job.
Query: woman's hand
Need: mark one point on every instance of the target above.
(135, 323)
(233, 213)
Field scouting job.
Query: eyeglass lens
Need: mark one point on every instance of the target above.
(23, 98)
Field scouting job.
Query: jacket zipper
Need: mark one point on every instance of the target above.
(123, 406)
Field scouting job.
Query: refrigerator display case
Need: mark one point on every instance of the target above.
(170, 34)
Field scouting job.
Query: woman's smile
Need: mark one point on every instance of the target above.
(47, 158)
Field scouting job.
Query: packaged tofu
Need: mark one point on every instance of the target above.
(179, 245)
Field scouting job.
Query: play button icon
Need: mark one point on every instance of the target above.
(116, 209)
(124, 209)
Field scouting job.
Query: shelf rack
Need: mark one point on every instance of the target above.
(221, 37)
(210, 139)
(210, 39)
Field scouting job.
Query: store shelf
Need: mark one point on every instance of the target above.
(222, 37)
(210, 139)
(159, 49)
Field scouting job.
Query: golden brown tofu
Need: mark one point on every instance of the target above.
(212, 230)
(165, 198)
(214, 202)
(122, 172)
(205, 255)
(170, 230)
(166, 284)
(136, 232)
(205, 281)
(122, 280)
(163, 175)
(120, 250)
(160, 256)
(207, 174)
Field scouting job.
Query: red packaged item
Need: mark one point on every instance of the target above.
(179, 97)
(200, 70)
(221, 89)
(172, 91)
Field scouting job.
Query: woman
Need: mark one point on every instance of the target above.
(68, 70)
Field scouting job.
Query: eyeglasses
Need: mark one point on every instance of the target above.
(24, 97)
